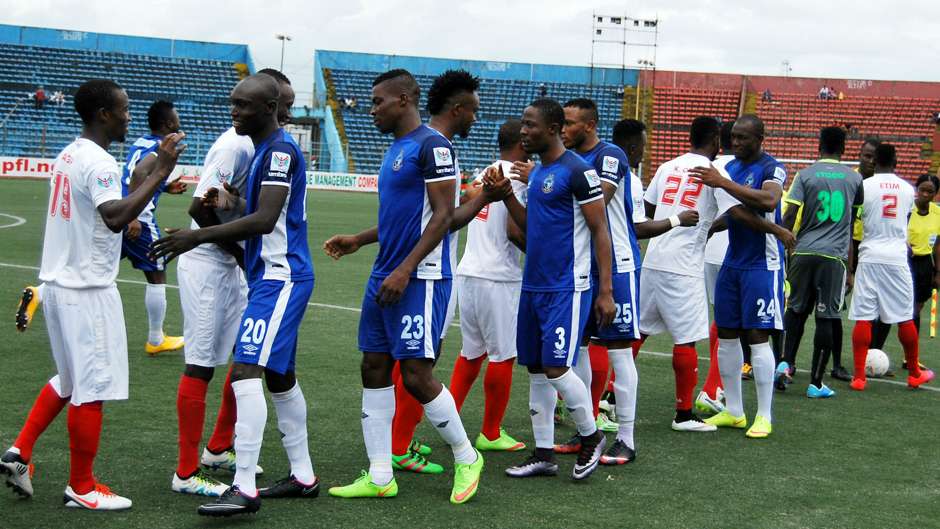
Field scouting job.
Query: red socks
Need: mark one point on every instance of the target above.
(223, 436)
(47, 406)
(408, 413)
(907, 335)
(191, 416)
(636, 347)
(497, 384)
(84, 423)
(685, 366)
(600, 365)
(713, 380)
(462, 379)
(861, 340)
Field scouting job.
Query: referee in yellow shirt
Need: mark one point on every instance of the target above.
(923, 234)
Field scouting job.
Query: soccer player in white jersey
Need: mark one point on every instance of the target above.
(884, 288)
(162, 119)
(489, 282)
(674, 267)
(84, 316)
(280, 277)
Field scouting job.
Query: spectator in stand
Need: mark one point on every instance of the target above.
(767, 96)
(353, 103)
(619, 91)
(39, 98)
(841, 95)
(543, 90)
(58, 98)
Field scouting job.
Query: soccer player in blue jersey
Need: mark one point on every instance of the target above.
(749, 289)
(565, 213)
(280, 278)
(141, 158)
(406, 297)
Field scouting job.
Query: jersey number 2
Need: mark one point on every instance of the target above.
(889, 206)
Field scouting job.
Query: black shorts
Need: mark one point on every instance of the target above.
(923, 270)
(817, 283)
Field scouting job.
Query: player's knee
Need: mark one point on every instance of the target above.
(554, 371)
(200, 372)
(376, 370)
(246, 371)
(279, 383)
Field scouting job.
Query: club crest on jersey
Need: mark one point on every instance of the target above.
(592, 179)
(105, 181)
(223, 177)
(610, 165)
(749, 181)
(442, 157)
(549, 183)
(396, 165)
(280, 162)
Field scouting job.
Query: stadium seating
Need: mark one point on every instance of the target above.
(199, 89)
(499, 100)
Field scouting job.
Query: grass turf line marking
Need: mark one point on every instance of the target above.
(455, 324)
(17, 221)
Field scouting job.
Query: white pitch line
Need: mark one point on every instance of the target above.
(17, 221)
(456, 324)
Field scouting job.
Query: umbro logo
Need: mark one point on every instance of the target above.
(532, 412)
(365, 415)
(443, 424)
(412, 344)
(571, 410)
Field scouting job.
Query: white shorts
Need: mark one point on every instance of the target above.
(488, 312)
(213, 296)
(451, 311)
(884, 292)
(711, 278)
(89, 342)
(673, 303)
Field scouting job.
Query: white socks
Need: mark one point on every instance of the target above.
(577, 399)
(155, 301)
(625, 384)
(762, 362)
(730, 362)
(583, 367)
(249, 430)
(442, 413)
(291, 408)
(378, 409)
(542, 398)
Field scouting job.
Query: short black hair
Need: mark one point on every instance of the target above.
(703, 130)
(93, 95)
(447, 85)
(276, 74)
(871, 140)
(928, 178)
(406, 80)
(886, 155)
(584, 103)
(726, 135)
(551, 111)
(832, 140)
(626, 129)
(159, 113)
(509, 134)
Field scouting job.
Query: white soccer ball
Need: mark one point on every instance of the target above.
(877, 363)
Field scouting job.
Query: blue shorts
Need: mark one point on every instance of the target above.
(626, 324)
(136, 250)
(749, 299)
(410, 328)
(267, 336)
(550, 326)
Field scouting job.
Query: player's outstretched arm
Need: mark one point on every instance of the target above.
(653, 228)
(757, 223)
(441, 198)
(595, 215)
(205, 217)
(516, 235)
(116, 214)
(495, 188)
(340, 245)
(144, 168)
(764, 199)
(261, 222)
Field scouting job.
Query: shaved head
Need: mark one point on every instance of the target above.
(255, 105)
(754, 124)
(260, 87)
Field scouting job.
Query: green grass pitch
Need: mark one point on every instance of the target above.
(859, 460)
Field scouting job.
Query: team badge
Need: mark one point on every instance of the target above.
(280, 162)
(610, 165)
(396, 165)
(592, 179)
(749, 181)
(223, 177)
(780, 174)
(105, 181)
(442, 157)
(549, 183)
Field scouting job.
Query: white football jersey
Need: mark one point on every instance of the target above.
(717, 245)
(673, 190)
(78, 249)
(888, 205)
(228, 160)
(636, 189)
(489, 254)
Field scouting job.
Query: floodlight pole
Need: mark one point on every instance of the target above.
(283, 38)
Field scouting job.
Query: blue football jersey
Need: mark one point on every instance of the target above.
(558, 240)
(749, 249)
(138, 151)
(282, 254)
(611, 165)
(414, 160)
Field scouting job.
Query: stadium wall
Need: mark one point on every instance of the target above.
(106, 42)
(370, 62)
(328, 130)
